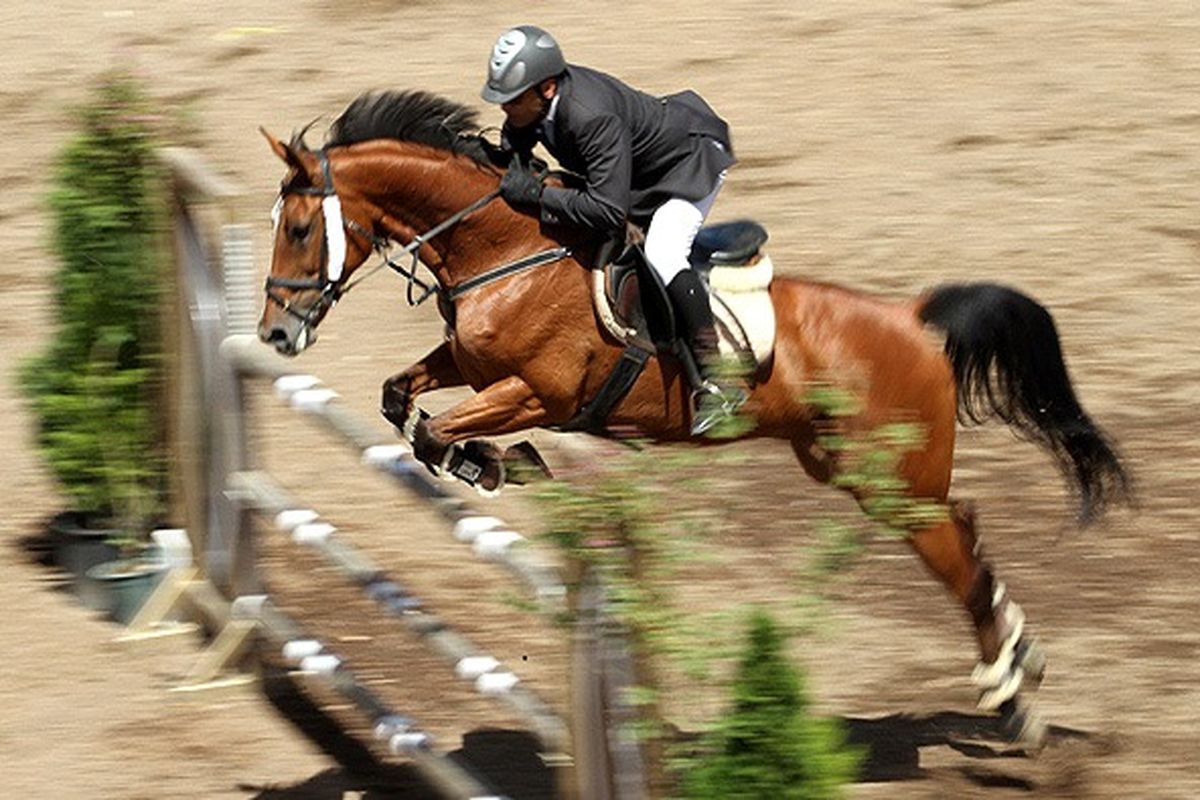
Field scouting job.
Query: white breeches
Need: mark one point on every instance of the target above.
(672, 230)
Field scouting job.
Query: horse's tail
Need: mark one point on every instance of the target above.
(1008, 363)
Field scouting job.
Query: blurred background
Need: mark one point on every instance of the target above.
(887, 146)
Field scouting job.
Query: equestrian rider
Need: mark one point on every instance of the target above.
(644, 158)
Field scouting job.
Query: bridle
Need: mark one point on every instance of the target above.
(332, 283)
(329, 283)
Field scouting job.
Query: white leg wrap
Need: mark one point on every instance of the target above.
(993, 698)
(1001, 679)
(410, 425)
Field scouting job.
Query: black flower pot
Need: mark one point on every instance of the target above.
(79, 546)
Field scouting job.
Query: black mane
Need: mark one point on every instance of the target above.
(413, 116)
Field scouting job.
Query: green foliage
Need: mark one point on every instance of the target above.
(94, 388)
(622, 521)
(770, 745)
(628, 522)
(868, 466)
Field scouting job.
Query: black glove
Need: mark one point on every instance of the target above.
(520, 186)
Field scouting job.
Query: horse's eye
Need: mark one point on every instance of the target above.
(299, 232)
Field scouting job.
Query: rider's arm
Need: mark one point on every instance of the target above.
(603, 203)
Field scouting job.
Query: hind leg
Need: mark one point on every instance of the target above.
(948, 546)
(1009, 657)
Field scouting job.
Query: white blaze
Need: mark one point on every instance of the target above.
(335, 235)
(335, 232)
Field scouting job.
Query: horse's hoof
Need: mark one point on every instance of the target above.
(523, 463)
(1032, 658)
(1023, 726)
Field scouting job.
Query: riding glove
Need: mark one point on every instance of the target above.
(521, 187)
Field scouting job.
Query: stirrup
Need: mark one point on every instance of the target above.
(724, 404)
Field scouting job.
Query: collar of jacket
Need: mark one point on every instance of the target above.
(546, 126)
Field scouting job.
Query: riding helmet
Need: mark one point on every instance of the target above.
(522, 57)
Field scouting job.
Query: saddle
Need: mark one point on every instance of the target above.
(729, 258)
(632, 303)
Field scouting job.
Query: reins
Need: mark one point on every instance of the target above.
(380, 245)
(333, 288)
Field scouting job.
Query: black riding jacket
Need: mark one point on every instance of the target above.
(634, 151)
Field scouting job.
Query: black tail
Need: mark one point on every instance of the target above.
(1008, 363)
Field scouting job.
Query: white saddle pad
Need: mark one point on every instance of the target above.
(742, 308)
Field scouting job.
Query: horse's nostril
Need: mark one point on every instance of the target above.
(277, 337)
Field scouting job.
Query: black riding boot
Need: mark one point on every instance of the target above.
(712, 402)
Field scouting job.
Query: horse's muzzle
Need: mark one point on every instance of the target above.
(289, 337)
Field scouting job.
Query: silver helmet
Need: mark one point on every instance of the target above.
(522, 57)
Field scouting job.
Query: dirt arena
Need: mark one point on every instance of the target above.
(886, 145)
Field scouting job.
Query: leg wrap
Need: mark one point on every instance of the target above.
(409, 429)
(1001, 679)
(426, 449)
(476, 463)
(395, 405)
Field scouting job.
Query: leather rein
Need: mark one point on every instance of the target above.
(334, 286)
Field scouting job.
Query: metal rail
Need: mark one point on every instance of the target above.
(397, 732)
(259, 492)
(491, 537)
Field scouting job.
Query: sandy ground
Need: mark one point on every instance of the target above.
(886, 145)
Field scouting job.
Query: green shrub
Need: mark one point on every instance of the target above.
(94, 389)
(770, 745)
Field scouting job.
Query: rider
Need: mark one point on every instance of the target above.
(643, 158)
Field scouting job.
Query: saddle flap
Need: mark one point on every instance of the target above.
(638, 299)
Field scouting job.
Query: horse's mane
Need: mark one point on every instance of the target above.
(412, 116)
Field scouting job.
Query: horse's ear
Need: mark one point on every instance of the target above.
(285, 151)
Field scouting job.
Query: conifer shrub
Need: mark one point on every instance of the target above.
(94, 389)
(770, 744)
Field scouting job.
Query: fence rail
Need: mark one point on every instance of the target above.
(259, 492)
(491, 537)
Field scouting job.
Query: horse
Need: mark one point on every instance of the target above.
(412, 169)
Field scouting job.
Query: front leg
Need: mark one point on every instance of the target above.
(504, 407)
(437, 370)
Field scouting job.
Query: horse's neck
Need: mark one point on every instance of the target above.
(418, 189)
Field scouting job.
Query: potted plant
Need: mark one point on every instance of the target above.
(94, 390)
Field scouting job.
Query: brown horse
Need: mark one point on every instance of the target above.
(410, 168)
